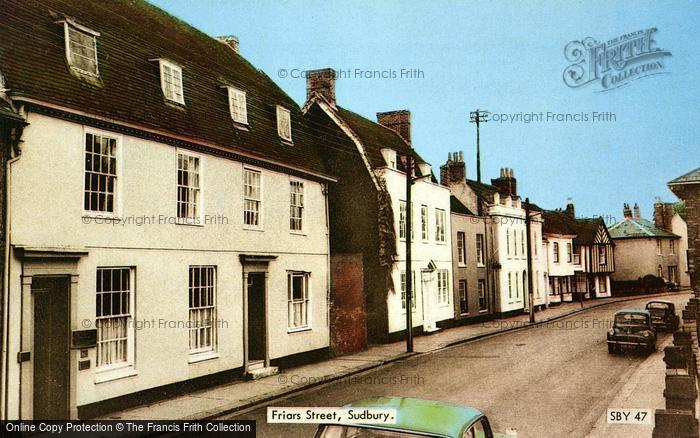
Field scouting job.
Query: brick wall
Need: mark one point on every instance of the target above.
(690, 193)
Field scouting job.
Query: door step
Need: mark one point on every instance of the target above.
(256, 365)
(259, 373)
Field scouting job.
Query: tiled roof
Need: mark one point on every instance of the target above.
(485, 191)
(691, 177)
(630, 228)
(559, 222)
(132, 34)
(456, 206)
(556, 222)
(375, 137)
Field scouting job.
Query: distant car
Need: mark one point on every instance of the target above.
(672, 286)
(663, 314)
(416, 418)
(632, 328)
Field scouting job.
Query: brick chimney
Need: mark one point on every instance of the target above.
(506, 183)
(626, 212)
(398, 121)
(454, 170)
(321, 81)
(663, 214)
(635, 213)
(231, 41)
(570, 210)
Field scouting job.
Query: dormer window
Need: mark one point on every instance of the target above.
(171, 81)
(284, 123)
(390, 158)
(237, 105)
(81, 48)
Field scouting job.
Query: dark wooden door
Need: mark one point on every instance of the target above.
(256, 317)
(51, 348)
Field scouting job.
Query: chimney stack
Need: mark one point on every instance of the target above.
(321, 81)
(663, 214)
(454, 171)
(570, 210)
(231, 41)
(636, 215)
(398, 121)
(626, 212)
(506, 182)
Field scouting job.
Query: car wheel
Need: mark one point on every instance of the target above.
(612, 348)
(651, 348)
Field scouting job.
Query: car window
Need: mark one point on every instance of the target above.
(478, 430)
(661, 306)
(630, 318)
(335, 431)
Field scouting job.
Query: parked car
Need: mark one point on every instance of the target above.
(632, 328)
(672, 286)
(663, 314)
(416, 418)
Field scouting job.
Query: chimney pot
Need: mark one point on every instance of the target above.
(231, 41)
(398, 121)
(635, 213)
(449, 157)
(321, 81)
(626, 212)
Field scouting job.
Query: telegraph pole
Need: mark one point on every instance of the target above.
(530, 292)
(409, 273)
(478, 117)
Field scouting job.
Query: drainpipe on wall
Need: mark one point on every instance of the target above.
(325, 189)
(15, 156)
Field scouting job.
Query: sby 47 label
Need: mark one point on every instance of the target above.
(630, 416)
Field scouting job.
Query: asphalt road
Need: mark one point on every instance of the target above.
(554, 380)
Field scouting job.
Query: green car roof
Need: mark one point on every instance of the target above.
(424, 416)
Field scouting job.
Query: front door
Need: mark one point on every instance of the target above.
(51, 347)
(256, 317)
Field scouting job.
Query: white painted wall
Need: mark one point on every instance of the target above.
(434, 196)
(47, 197)
(680, 228)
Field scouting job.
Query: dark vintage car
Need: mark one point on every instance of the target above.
(663, 315)
(632, 328)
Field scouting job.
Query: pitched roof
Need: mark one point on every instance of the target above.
(485, 191)
(456, 206)
(375, 137)
(132, 34)
(692, 177)
(585, 229)
(631, 228)
(557, 222)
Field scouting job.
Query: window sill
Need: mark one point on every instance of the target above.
(107, 216)
(250, 228)
(243, 126)
(201, 357)
(297, 233)
(110, 374)
(483, 310)
(298, 330)
(287, 141)
(480, 265)
(461, 265)
(189, 223)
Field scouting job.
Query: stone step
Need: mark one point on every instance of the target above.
(263, 372)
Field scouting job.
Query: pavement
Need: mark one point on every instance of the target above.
(245, 395)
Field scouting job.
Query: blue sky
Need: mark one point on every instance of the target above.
(505, 57)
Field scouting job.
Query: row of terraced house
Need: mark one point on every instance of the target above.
(172, 219)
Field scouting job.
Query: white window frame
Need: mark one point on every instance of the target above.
(115, 370)
(301, 199)
(659, 247)
(461, 283)
(425, 230)
(259, 225)
(602, 255)
(70, 25)
(197, 219)
(403, 212)
(117, 203)
(672, 246)
(461, 248)
(202, 349)
(443, 287)
(280, 120)
(522, 242)
(305, 301)
(508, 241)
(555, 252)
(440, 219)
(241, 97)
(569, 253)
(510, 286)
(403, 291)
(481, 284)
(163, 63)
(480, 259)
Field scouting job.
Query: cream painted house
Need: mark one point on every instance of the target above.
(167, 217)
